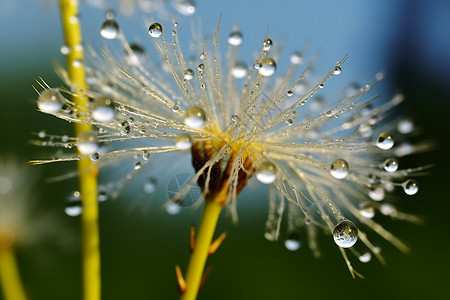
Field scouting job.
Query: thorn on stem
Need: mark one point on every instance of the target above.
(216, 244)
(180, 280)
(205, 275)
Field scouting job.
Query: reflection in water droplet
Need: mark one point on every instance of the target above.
(110, 29)
(410, 187)
(292, 242)
(390, 165)
(87, 143)
(296, 58)
(103, 110)
(195, 117)
(267, 44)
(405, 126)
(366, 210)
(73, 205)
(50, 101)
(155, 30)
(385, 141)
(235, 38)
(267, 67)
(337, 70)
(184, 142)
(345, 234)
(377, 193)
(266, 172)
(365, 257)
(239, 70)
(339, 169)
(173, 208)
(188, 74)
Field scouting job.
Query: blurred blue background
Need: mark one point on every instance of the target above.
(409, 39)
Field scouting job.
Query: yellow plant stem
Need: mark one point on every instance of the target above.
(87, 170)
(208, 222)
(9, 275)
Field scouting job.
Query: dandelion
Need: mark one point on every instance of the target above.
(328, 162)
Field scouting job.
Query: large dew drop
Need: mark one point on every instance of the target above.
(103, 110)
(390, 165)
(267, 67)
(87, 143)
(184, 142)
(155, 30)
(235, 38)
(292, 242)
(345, 234)
(410, 187)
(195, 117)
(239, 70)
(109, 30)
(50, 101)
(339, 169)
(266, 172)
(385, 141)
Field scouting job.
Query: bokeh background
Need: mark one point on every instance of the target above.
(140, 247)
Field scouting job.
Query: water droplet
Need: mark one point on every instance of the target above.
(365, 257)
(268, 67)
(138, 166)
(77, 63)
(184, 141)
(109, 29)
(102, 193)
(136, 55)
(296, 58)
(339, 169)
(173, 208)
(267, 44)
(145, 155)
(292, 242)
(195, 117)
(175, 108)
(155, 30)
(103, 110)
(289, 122)
(64, 138)
(202, 55)
(367, 210)
(234, 118)
(185, 7)
(321, 86)
(87, 143)
(390, 165)
(94, 157)
(65, 50)
(149, 186)
(142, 129)
(410, 187)
(266, 172)
(125, 128)
(385, 141)
(42, 134)
(289, 93)
(270, 234)
(405, 126)
(73, 206)
(201, 67)
(235, 38)
(188, 74)
(345, 234)
(377, 193)
(388, 209)
(239, 70)
(337, 70)
(50, 101)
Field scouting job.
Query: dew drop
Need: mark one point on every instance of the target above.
(289, 122)
(321, 86)
(201, 67)
(185, 7)
(410, 187)
(125, 128)
(339, 169)
(65, 50)
(184, 141)
(292, 242)
(136, 55)
(103, 110)
(365, 257)
(188, 74)
(235, 38)
(155, 30)
(195, 117)
(267, 44)
(367, 210)
(234, 119)
(50, 101)
(173, 208)
(296, 58)
(388, 209)
(267, 67)
(385, 141)
(102, 194)
(73, 206)
(239, 70)
(138, 166)
(270, 234)
(405, 126)
(94, 157)
(87, 143)
(109, 29)
(289, 93)
(345, 234)
(145, 155)
(149, 186)
(77, 63)
(337, 70)
(377, 193)
(42, 134)
(266, 172)
(175, 108)
(390, 165)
